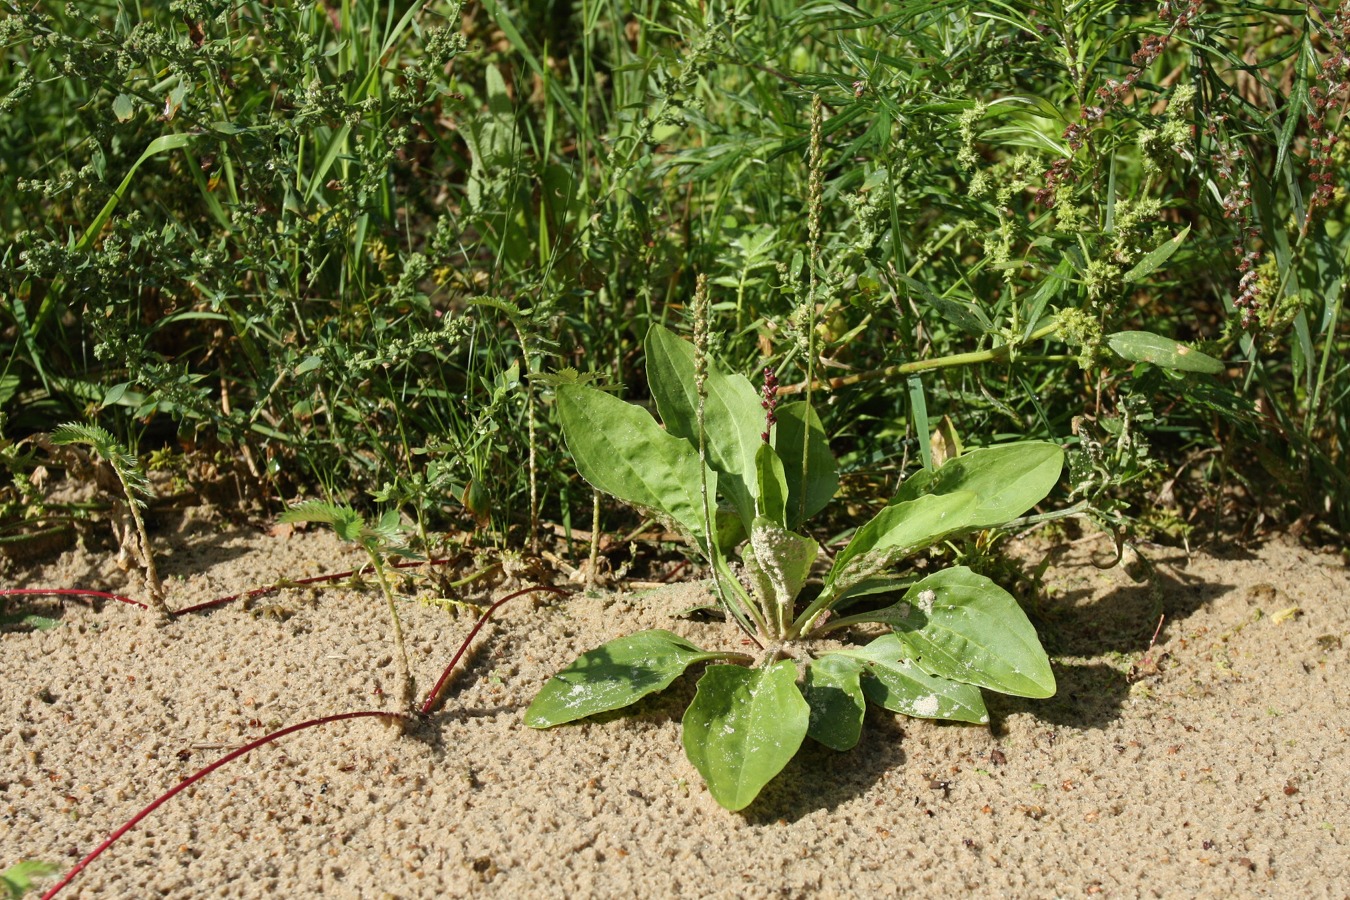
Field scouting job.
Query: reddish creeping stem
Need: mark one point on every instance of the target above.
(212, 604)
(193, 779)
(430, 703)
(69, 592)
(425, 710)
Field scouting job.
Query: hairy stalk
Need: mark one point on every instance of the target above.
(815, 203)
(155, 586)
(407, 688)
(134, 484)
(594, 559)
(709, 524)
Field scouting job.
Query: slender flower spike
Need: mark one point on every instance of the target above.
(770, 402)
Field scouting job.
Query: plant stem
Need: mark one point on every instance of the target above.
(147, 556)
(407, 689)
(975, 357)
(198, 776)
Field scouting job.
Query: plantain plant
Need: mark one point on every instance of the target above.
(946, 636)
(134, 485)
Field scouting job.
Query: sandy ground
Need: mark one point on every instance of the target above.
(1214, 765)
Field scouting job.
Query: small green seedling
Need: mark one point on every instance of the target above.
(17, 880)
(948, 634)
(134, 485)
(381, 541)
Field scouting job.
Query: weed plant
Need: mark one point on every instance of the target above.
(266, 229)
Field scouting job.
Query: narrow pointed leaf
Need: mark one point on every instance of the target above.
(799, 425)
(733, 419)
(613, 676)
(894, 682)
(1156, 257)
(1144, 346)
(771, 485)
(743, 727)
(960, 625)
(834, 693)
(620, 450)
(1008, 480)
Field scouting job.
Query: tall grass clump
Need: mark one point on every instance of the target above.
(352, 244)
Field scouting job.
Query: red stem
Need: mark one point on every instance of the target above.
(425, 710)
(211, 604)
(430, 703)
(68, 592)
(317, 579)
(193, 779)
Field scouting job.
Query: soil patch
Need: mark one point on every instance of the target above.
(1214, 763)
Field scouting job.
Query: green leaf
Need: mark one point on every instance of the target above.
(771, 485)
(123, 107)
(1156, 257)
(743, 727)
(778, 562)
(899, 530)
(960, 625)
(798, 424)
(620, 450)
(1007, 480)
(613, 676)
(834, 693)
(1144, 346)
(346, 521)
(18, 878)
(898, 684)
(733, 419)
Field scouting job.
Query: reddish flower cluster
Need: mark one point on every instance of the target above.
(1231, 169)
(1327, 93)
(769, 403)
(1113, 93)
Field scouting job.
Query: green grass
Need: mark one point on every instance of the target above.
(340, 244)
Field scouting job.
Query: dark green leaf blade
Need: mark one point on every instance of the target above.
(614, 675)
(834, 693)
(743, 727)
(960, 625)
(1156, 257)
(620, 450)
(899, 530)
(799, 425)
(1144, 346)
(733, 419)
(898, 684)
(1007, 479)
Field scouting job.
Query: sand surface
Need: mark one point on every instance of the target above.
(1214, 764)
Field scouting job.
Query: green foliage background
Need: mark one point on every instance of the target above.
(346, 244)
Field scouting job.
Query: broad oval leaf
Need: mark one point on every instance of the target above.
(799, 437)
(743, 727)
(834, 693)
(960, 625)
(1144, 346)
(620, 450)
(896, 683)
(732, 417)
(1008, 480)
(899, 530)
(614, 675)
